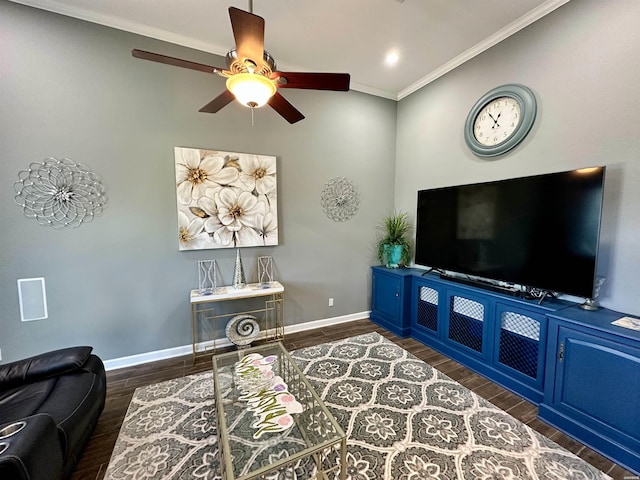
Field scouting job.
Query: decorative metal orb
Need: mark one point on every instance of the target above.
(339, 199)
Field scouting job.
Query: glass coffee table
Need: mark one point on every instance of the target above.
(255, 436)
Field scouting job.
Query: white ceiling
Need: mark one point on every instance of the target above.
(431, 37)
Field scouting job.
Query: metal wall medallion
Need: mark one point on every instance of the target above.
(339, 199)
(60, 193)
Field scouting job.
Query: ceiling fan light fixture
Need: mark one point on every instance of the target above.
(250, 89)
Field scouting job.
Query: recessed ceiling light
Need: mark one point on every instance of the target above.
(392, 58)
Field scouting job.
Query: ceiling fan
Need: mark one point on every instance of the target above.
(251, 73)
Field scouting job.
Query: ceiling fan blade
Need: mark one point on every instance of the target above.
(314, 81)
(222, 100)
(248, 32)
(285, 109)
(176, 62)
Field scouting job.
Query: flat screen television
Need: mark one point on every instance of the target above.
(538, 232)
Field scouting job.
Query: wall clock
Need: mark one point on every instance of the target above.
(500, 120)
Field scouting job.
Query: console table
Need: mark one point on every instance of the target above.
(581, 370)
(207, 308)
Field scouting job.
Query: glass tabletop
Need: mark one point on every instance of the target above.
(269, 416)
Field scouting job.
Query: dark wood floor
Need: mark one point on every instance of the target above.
(122, 383)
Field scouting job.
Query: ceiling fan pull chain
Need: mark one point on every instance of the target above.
(252, 109)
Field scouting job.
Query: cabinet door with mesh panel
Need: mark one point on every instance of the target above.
(519, 342)
(427, 304)
(468, 321)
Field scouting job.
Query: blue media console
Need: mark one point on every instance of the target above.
(581, 371)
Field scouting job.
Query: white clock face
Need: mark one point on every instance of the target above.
(497, 120)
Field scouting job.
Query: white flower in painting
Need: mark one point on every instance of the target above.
(415, 468)
(195, 175)
(238, 213)
(267, 228)
(190, 232)
(258, 174)
(379, 426)
(209, 208)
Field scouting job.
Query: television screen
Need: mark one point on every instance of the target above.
(540, 231)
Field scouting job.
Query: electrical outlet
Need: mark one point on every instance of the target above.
(331, 302)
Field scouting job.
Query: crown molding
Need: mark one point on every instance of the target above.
(125, 25)
(185, 41)
(376, 92)
(511, 29)
(159, 34)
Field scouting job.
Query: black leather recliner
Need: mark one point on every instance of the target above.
(49, 406)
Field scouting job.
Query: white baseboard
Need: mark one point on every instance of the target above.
(141, 358)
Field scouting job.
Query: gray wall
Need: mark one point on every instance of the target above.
(582, 63)
(71, 89)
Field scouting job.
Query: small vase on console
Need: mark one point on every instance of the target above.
(238, 273)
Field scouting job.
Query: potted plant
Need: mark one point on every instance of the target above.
(394, 247)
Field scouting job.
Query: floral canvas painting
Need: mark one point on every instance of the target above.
(225, 199)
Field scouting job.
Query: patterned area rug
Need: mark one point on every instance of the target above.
(404, 420)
